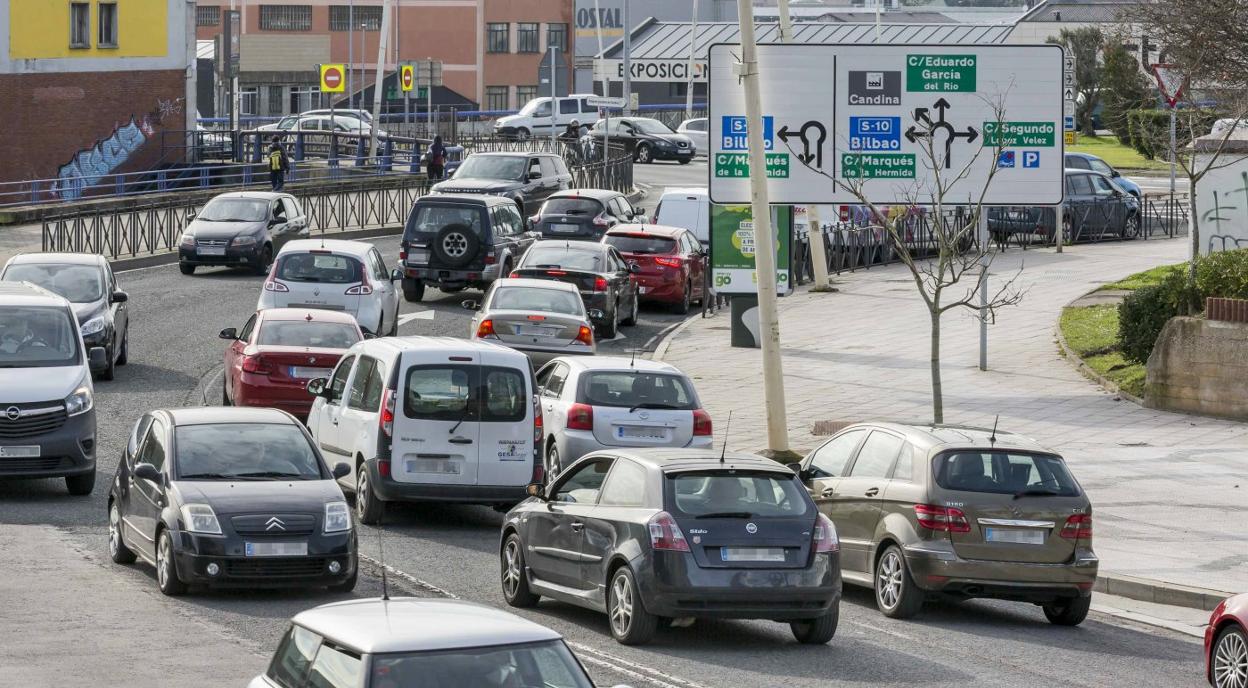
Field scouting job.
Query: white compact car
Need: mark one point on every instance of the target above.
(688, 208)
(695, 129)
(430, 419)
(538, 116)
(542, 318)
(334, 275)
(613, 401)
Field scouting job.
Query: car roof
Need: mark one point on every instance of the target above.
(1079, 170)
(695, 459)
(29, 294)
(932, 437)
(359, 249)
(56, 259)
(596, 194)
(1085, 156)
(451, 345)
(570, 245)
(464, 199)
(307, 314)
(510, 154)
(619, 363)
(536, 284)
(408, 624)
(657, 230)
(208, 415)
(254, 195)
(699, 191)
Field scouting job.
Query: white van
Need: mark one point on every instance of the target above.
(430, 419)
(537, 116)
(688, 208)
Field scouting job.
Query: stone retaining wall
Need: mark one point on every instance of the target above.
(1200, 366)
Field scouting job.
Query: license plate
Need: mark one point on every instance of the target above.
(565, 229)
(751, 554)
(1017, 536)
(211, 250)
(309, 373)
(440, 466)
(640, 432)
(418, 257)
(534, 331)
(643, 290)
(19, 452)
(275, 549)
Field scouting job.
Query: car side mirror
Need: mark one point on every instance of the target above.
(396, 275)
(470, 304)
(228, 333)
(596, 314)
(341, 470)
(796, 467)
(634, 268)
(146, 471)
(97, 358)
(119, 297)
(316, 386)
(536, 490)
(369, 335)
(1115, 173)
(190, 215)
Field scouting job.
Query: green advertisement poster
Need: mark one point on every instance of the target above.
(732, 249)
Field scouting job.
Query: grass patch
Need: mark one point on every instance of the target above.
(1091, 332)
(1148, 278)
(1109, 149)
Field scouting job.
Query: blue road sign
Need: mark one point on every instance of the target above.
(734, 132)
(1069, 123)
(1031, 159)
(1006, 160)
(875, 133)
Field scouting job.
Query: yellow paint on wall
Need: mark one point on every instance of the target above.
(39, 29)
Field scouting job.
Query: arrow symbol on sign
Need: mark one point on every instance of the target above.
(806, 156)
(1069, 93)
(420, 315)
(941, 105)
(912, 134)
(920, 115)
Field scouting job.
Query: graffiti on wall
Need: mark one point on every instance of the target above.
(1222, 207)
(90, 165)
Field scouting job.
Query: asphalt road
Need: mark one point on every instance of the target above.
(176, 361)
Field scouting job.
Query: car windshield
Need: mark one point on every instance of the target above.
(309, 333)
(37, 337)
(288, 122)
(651, 126)
(537, 299)
(78, 283)
(634, 389)
(638, 243)
(534, 665)
(509, 167)
(581, 207)
(318, 267)
(533, 105)
(429, 218)
(564, 256)
(1001, 472)
(234, 210)
(244, 451)
(737, 494)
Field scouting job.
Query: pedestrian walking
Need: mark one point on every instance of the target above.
(437, 158)
(279, 164)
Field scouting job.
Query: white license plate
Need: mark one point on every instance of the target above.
(565, 229)
(534, 331)
(640, 432)
(418, 257)
(19, 452)
(309, 373)
(275, 549)
(440, 466)
(1017, 536)
(751, 554)
(211, 250)
(643, 290)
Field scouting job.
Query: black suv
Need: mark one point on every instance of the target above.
(525, 178)
(584, 214)
(455, 242)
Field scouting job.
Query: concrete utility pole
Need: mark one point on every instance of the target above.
(628, 58)
(693, 40)
(383, 43)
(764, 243)
(606, 83)
(351, 54)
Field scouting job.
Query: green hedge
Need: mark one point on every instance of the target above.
(1150, 129)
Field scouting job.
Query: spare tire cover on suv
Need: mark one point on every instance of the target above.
(456, 245)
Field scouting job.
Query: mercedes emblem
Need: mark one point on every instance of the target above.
(12, 413)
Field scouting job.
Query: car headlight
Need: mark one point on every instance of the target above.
(200, 518)
(337, 517)
(244, 241)
(188, 239)
(93, 325)
(79, 401)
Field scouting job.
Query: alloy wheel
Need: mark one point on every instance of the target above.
(511, 570)
(1230, 661)
(888, 580)
(114, 531)
(622, 605)
(363, 493)
(455, 244)
(162, 563)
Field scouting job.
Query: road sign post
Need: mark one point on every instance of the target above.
(1170, 81)
(333, 80)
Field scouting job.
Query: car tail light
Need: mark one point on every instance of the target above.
(359, 290)
(274, 285)
(581, 417)
(665, 534)
(383, 468)
(256, 364)
(556, 273)
(1078, 527)
(585, 336)
(668, 262)
(490, 258)
(600, 284)
(402, 252)
(539, 429)
(387, 413)
(600, 220)
(941, 519)
(701, 423)
(485, 329)
(824, 540)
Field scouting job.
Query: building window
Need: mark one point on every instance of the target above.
(248, 98)
(285, 17)
(497, 38)
(557, 36)
(496, 98)
(79, 25)
(207, 16)
(524, 94)
(108, 25)
(275, 101)
(526, 38)
(344, 18)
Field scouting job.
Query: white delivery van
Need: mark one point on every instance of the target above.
(430, 419)
(537, 116)
(689, 208)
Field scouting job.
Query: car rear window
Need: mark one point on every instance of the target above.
(631, 388)
(572, 206)
(429, 218)
(743, 494)
(637, 243)
(503, 398)
(319, 267)
(1004, 473)
(488, 394)
(547, 664)
(564, 257)
(537, 299)
(325, 335)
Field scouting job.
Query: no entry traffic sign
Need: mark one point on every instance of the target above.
(332, 80)
(407, 77)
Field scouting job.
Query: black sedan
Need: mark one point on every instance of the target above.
(649, 139)
(87, 281)
(243, 229)
(584, 214)
(226, 497)
(673, 534)
(599, 272)
(1095, 208)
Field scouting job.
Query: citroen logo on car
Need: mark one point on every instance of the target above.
(751, 528)
(274, 522)
(12, 413)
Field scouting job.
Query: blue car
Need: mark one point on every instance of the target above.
(1087, 161)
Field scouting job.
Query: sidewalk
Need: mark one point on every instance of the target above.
(20, 239)
(1170, 491)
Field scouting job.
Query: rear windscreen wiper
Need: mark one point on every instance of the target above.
(654, 407)
(1037, 492)
(727, 514)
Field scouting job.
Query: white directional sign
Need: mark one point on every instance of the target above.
(605, 101)
(840, 116)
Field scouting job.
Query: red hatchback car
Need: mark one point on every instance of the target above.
(1226, 644)
(673, 264)
(269, 362)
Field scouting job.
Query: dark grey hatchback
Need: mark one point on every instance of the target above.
(673, 535)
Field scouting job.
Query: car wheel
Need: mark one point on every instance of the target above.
(225, 394)
(631, 320)
(643, 155)
(117, 550)
(817, 631)
(80, 485)
(1228, 662)
(515, 585)
(1131, 227)
(631, 624)
(1070, 611)
(110, 370)
(347, 585)
(186, 268)
(266, 257)
(895, 592)
(394, 324)
(413, 290)
(124, 357)
(1068, 229)
(368, 509)
(685, 161)
(553, 463)
(166, 569)
(523, 134)
(609, 328)
(682, 306)
(456, 245)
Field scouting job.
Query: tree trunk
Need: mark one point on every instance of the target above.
(938, 403)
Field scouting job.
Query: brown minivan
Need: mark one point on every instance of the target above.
(955, 511)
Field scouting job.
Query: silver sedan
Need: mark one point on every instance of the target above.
(541, 318)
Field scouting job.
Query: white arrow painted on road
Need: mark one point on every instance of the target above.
(420, 315)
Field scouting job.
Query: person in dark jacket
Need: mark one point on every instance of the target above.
(279, 164)
(437, 158)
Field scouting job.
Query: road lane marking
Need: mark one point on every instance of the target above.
(211, 380)
(420, 315)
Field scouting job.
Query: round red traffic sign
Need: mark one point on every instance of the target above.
(407, 78)
(332, 77)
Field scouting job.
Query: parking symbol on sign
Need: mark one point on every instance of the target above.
(1031, 159)
(1006, 159)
